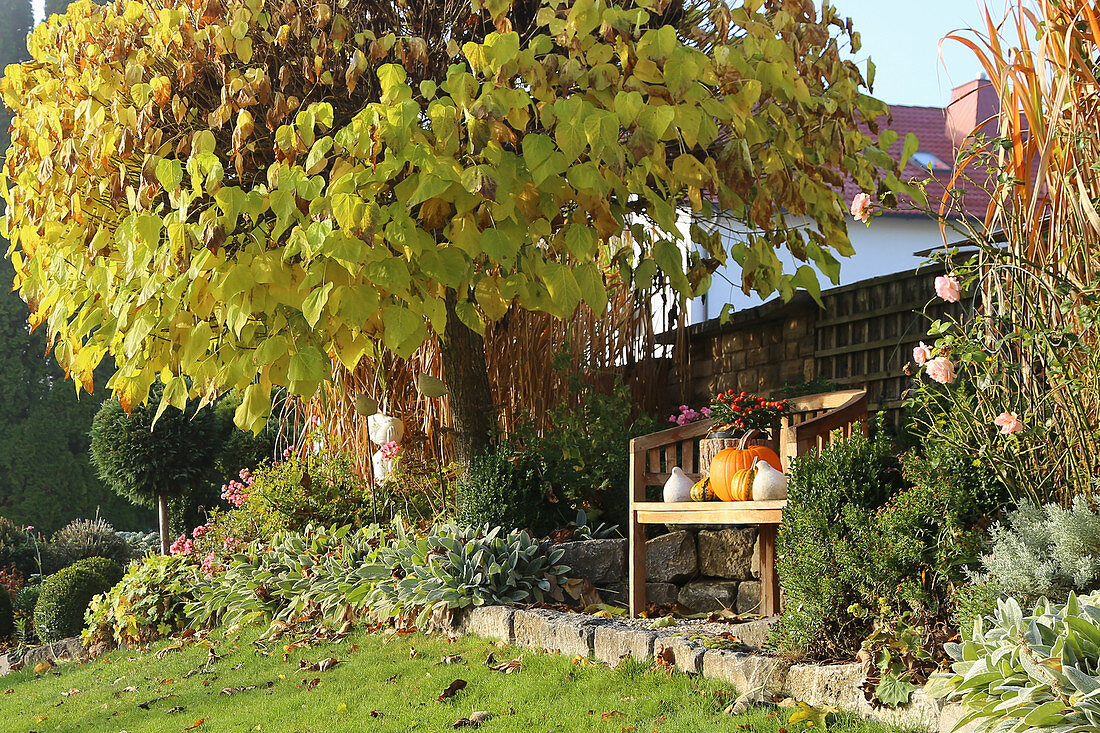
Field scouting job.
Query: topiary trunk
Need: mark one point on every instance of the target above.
(162, 518)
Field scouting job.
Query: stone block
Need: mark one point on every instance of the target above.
(746, 672)
(567, 633)
(838, 685)
(490, 622)
(687, 656)
(754, 633)
(748, 596)
(727, 553)
(597, 561)
(662, 594)
(709, 595)
(738, 360)
(671, 558)
(612, 642)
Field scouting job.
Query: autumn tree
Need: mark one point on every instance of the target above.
(230, 193)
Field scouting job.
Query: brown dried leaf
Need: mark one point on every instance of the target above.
(452, 690)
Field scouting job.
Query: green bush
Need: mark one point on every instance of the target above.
(7, 615)
(65, 595)
(866, 537)
(17, 547)
(147, 604)
(1029, 672)
(584, 453)
(457, 567)
(84, 538)
(28, 596)
(323, 574)
(503, 488)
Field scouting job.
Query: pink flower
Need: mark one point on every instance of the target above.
(209, 565)
(390, 450)
(199, 531)
(672, 418)
(922, 353)
(947, 287)
(861, 207)
(182, 546)
(229, 544)
(1008, 423)
(705, 411)
(941, 370)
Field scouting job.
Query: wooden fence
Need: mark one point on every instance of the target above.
(862, 338)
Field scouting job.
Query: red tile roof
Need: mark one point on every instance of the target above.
(941, 131)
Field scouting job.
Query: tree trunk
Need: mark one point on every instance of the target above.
(467, 378)
(162, 516)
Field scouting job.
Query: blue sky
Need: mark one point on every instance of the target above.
(902, 39)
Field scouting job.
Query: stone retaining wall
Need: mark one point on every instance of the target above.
(704, 570)
(610, 640)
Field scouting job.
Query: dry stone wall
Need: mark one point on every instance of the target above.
(704, 570)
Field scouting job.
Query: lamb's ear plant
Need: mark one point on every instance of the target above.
(457, 567)
(1037, 672)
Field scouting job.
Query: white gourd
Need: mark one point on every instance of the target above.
(678, 486)
(769, 484)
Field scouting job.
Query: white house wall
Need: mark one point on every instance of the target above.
(887, 246)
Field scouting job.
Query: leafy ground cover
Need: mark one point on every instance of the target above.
(229, 682)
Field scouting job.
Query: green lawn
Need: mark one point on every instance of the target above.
(382, 683)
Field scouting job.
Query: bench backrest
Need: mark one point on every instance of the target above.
(809, 425)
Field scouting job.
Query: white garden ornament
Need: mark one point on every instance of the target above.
(384, 429)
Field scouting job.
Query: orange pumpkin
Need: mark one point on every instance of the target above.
(728, 462)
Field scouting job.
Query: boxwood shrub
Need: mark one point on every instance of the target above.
(65, 595)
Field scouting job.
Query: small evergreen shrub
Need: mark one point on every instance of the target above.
(147, 604)
(1038, 552)
(869, 538)
(65, 595)
(7, 616)
(84, 538)
(141, 543)
(503, 488)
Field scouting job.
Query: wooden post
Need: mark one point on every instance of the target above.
(769, 580)
(636, 546)
(162, 521)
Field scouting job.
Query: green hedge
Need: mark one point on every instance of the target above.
(65, 596)
(7, 618)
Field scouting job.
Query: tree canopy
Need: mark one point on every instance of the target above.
(230, 193)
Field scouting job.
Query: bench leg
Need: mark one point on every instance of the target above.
(769, 580)
(637, 562)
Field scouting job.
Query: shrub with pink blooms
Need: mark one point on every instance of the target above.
(685, 415)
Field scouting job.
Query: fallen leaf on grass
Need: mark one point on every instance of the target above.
(72, 691)
(310, 684)
(612, 714)
(9, 690)
(175, 647)
(43, 667)
(177, 709)
(377, 714)
(465, 723)
(451, 659)
(235, 690)
(391, 679)
(196, 724)
(452, 690)
(321, 666)
(509, 667)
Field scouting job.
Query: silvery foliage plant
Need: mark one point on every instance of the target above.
(455, 566)
(1037, 672)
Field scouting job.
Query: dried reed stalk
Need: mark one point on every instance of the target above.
(520, 351)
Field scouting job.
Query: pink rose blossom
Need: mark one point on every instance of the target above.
(1008, 423)
(922, 353)
(947, 287)
(941, 370)
(861, 207)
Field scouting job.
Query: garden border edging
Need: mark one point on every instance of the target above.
(609, 640)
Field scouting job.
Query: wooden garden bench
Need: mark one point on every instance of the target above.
(809, 425)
